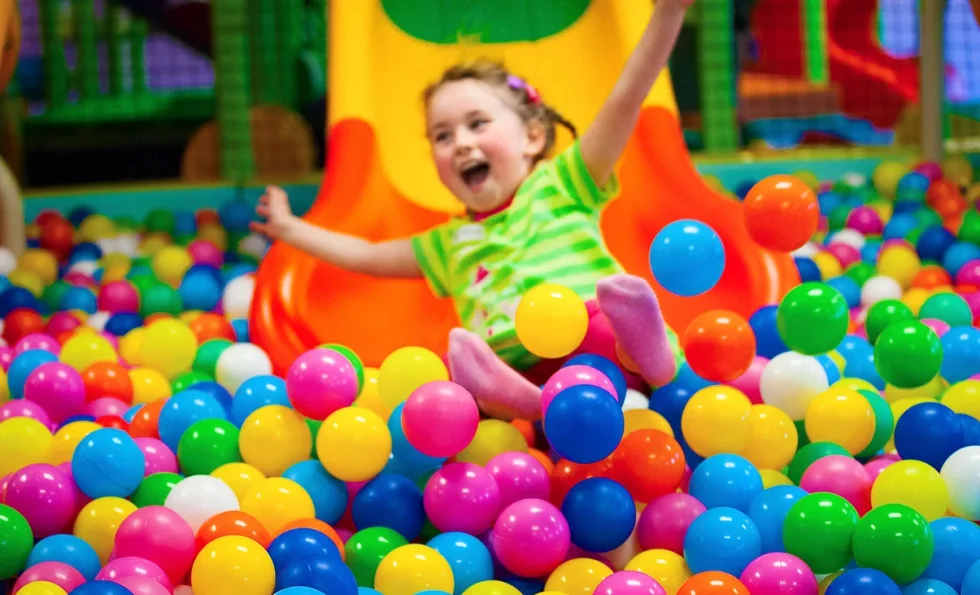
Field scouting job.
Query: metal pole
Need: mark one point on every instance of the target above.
(932, 80)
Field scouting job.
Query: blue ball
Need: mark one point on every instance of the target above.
(584, 423)
(200, 289)
(808, 270)
(827, 202)
(323, 572)
(15, 297)
(686, 375)
(601, 514)
(669, 401)
(929, 432)
(958, 255)
(297, 543)
(217, 391)
(236, 215)
(971, 582)
(743, 188)
(526, 586)
(768, 342)
(85, 252)
(863, 581)
(468, 558)
(21, 367)
(870, 251)
(687, 257)
(726, 480)
(768, 511)
(67, 549)
(78, 298)
(933, 243)
(961, 353)
(100, 587)
(830, 367)
(971, 429)
(848, 288)
(79, 214)
(604, 365)
(414, 462)
(182, 410)
(722, 539)
(255, 393)
(240, 326)
(957, 547)
(123, 322)
(899, 226)
(185, 224)
(928, 586)
(393, 501)
(328, 493)
(913, 186)
(108, 462)
(131, 413)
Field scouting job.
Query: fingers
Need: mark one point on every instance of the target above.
(262, 228)
(262, 211)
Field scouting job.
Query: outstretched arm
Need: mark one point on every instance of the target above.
(605, 140)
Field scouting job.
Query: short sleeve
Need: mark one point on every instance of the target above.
(578, 183)
(431, 252)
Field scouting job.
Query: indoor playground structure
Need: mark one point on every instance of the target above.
(189, 409)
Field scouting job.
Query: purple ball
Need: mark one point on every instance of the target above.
(45, 495)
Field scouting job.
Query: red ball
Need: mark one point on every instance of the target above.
(58, 236)
(719, 345)
(781, 213)
(21, 322)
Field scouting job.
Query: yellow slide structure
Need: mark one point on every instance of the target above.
(379, 181)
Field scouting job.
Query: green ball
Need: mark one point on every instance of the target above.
(160, 298)
(812, 318)
(354, 360)
(160, 221)
(948, 307)
(154, 489)
(206, 360)
(189, 379)
(801, 437)
(927, 218)
(860, 272)
(818, 530)
(882, 314)
(366, 549)
(896, 540)
(127, 224)
(884, 423)
(16, 542)
(206, 445)
(52, 294)
(811, 453)
(837, 218)
(908, 354)
(314, 427)
(142, 281)
(970, 228)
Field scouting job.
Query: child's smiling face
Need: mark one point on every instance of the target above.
(482, 148)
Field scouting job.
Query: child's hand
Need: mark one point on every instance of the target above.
(274, 208)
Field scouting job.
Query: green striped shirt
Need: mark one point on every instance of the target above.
(550, 233)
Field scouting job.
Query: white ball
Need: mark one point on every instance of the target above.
(961, 472)
(8, 262)
(128, 244)
(108, 245)
(240, 362)
(86, 267)
(253, 244)
(199, 497)
(237, 299)
(880, 287)
(790, 381)
(183, 590)
(807, 250)
(635, 400)
(848, 236)
(98, 320)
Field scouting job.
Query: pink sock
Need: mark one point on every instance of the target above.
(498, 389)
(634, 314)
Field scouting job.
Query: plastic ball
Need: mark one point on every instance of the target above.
(209, 444)
(929, 432)
(719, 345)
(840, 475)
(818, 529)
(198, 498)
(406, 369)
(862, 580)
(716, 420)
(462, 497)
(57, 388)
(413, 568)
(353, 444)
(393, 501)
(773, 438)
(531, 525)
(275, 502)
(493, 437)
(518, 476)
(85, 349)
(45, 495)
(273, 438)
(67, 549)
(321, 381)
(649, 464)
(908, 354)
(725, 480)
(584, 423)
(551, 320)
(233, 564)
(713, 583)
(445, 406)
(23, 441)
(781, 213)
(239, 362)
(182, 410)
(578, 576)
(779, 572)
(722, 539)
(841, 416)
(159, 535)
(629, 582)
(812, 318)
(896, 540)
(961, 473)
(601, 514)
(687, 257)
(571, 375)
(367, 548)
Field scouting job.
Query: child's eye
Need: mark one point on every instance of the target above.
(441, 137)
(478, 123)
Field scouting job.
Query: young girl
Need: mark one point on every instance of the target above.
(529, 220)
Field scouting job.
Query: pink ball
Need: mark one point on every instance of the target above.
(62, 322)
(865, 220)
(112, 339)
(571, 376)
(897, 242)
(58, 388)
(780, 573)
(320, 382)
(204, 252)
(875, 466)
(440, 418)
(45, 495)
(973, 301)
(664, 522)
(158, 456)
(519, 476)
(58, 573)
(969, 273)
(846, 254)
(840, 475)
(940, 327)
(22, 408)
(124, 567)
(159, 535)
(81, 498)
(41, 341)
(748, 382)
(7, 354)
(139, 585)
(629, 582)
(930, 169)
(117, 297)
(531, 525)
(79, 279)
(462, 497)
(105, 406)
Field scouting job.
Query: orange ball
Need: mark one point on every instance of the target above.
(931, 276)
(942, 190)
(107, 379)
(649, 464)
(566, 474)
(316, 525)
(713, 583)
(781, 213)
(21, 322)
(526, 429)
(542, 458)
(144, 424)
(232, 522)
(719, 345)
(208, 325)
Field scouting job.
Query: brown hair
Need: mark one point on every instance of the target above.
(526, 101)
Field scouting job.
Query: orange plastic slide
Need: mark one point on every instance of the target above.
(379, 183)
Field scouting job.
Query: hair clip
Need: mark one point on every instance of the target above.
(516, 82)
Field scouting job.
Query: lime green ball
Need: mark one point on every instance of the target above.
(189, 379)
(896, 540)
(53, 293)
(884, 423)
(884, 313)
(908, 354)
(207, 445)
(354, 360)
(16, 542)
(154, 489)
(160, 221)
(861, 272)
(812, 318)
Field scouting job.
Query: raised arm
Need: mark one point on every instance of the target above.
(393, 258)
(605, 140)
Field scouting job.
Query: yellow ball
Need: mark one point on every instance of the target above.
(962, 397)
(929, 390)
(152, 244)
(771, 477)
(886, 176)
(115, 272)
(901, 263)
(42, 263)
(827, 264)
(958, 168)
(214, 233)
(67, 438)
(273, 438)
(84, 349)
(716, 420)
(406, 369)
(645, 419)
(98, 522)
(914, 484)
(130, 344)
(238, 476)
(23, 441)
(853, 384)
(551, 320)
(580, 575)
(4, 387)
(276, 501)
(883, 208)
(915, 297)
(233, 565)
(370, 396)
(841, 416)
(168, 346)
(41, 588)
(149, 385)
(95, 228)
(28, 280)
(773, 438)
(412, 568)
(492, 438)
(809, 178)
(353, 444)
(664, 566)
(825, 583)
(492, 588)
(973, 193)
(170, 263)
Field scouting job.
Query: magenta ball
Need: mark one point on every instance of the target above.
(629, 582)
(62, 322)
(846, 254)
(865, 220)
(841, 475)
(969, 273)
(58, 388)
(139, 585)
(42, 341)
(748, 382)
(973, 301)
(124, 567)
(519, 476)
(159, 535)
(875, 466)
(159, 458)
(531, 525)
(779, 573)
(440, 418)
(58, 573)
(940, 327)
(104, 406)
(204, 252)
(22, 408)
(45, 495)
(81, 498)
(119, 297)
(664, 522)
(571, 376)
(931, 170)
(6, 357)
(461, 497)
(320, 382)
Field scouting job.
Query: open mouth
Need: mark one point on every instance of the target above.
(475, 175)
